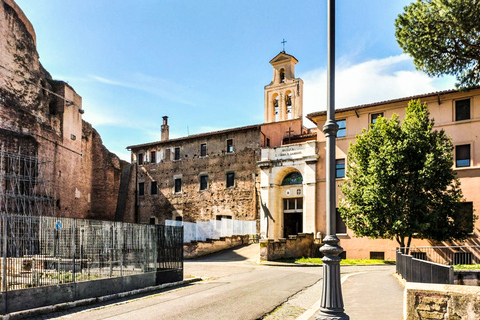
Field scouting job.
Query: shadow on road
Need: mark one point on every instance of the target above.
(241, 253)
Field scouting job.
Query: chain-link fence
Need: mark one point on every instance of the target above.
(42, 251)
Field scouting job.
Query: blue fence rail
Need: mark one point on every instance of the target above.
(418, 270)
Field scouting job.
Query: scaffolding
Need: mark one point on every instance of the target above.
(25, 185)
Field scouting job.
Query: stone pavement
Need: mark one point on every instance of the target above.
(368, 295)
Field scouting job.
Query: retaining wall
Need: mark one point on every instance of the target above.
(298, 246)
(197, 249)
(440, 301)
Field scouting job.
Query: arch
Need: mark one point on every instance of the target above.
(282, 75)
(288, 104)
(293, 178)
(283, 174)
(276, 106)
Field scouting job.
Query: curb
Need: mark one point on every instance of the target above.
(84, 302)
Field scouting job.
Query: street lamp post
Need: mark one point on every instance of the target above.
(331, 303)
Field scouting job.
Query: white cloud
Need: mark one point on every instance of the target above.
(368, 82)
(159, 87)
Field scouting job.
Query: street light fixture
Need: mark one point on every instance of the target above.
(331, 303)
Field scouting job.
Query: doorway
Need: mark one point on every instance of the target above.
(292, 216)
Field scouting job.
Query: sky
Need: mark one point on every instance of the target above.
(205, 63)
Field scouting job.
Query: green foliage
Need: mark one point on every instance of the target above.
(400, 182)
(443, 37)
(345, 262)
(466, 267)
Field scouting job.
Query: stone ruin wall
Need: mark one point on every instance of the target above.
(36, 122)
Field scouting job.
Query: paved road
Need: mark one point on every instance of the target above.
(236, 287)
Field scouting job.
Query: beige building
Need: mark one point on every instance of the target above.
(458, 113)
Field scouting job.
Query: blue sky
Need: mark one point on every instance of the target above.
(204, 63)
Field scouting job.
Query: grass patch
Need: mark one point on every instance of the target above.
(344, 262)
(467, 267)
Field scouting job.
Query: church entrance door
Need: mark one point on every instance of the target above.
(292, 216)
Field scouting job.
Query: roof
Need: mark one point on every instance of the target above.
(364, 106)
(194, 136)
(283, 53)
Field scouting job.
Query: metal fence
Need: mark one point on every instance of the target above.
(448, 255)
(43, 251)
(417, 270)
(214, 229)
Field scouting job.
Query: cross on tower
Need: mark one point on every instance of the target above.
(283, 42)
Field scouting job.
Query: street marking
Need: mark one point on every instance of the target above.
(314, 308)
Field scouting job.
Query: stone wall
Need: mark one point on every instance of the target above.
(192, 204)
(197, 249)
(42, 117)
(298, 246)
(437, 301)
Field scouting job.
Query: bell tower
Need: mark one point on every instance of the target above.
(284, 95)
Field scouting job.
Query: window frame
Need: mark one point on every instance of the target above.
(153, 156)
(153, 187)
(232, 180)
(230, 146)
(463, 159)
(203, 187)
(338, 169)
(339, 228)
(141, 188)
(374, 116)
(177, 185)
(203, 149)
(140, 159)
(176, 153)
(341, 128)
(456, 114)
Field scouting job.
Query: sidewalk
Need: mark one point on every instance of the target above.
(372, 295)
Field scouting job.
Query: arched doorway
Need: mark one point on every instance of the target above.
(292, 204)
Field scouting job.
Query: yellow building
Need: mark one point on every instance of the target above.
(456, 112)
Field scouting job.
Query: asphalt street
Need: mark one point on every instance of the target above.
(236, 286)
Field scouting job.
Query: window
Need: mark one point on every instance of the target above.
(342, 128)
(292, 178)
(377, 255)
(462, 156)
(230, 179)
(293, 205)
(203, 149)
(340, 224)
(375, 116)
(153, 157)
(203, 182)
(140, 158)
(340, 168)
(177, 153)
(462, 110)
(178, 185)
(466, 216)
(268, 142)
(153, 187)
(166, 156)
(282, 75)
(141, 189)
(229, 145)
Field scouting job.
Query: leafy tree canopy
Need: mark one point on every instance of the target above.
(400, 182)
(443, 37)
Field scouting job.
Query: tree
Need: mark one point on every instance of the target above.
(443, 37)
(400, 182)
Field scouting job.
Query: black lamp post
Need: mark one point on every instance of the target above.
(331, 304)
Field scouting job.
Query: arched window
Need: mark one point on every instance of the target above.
(288, 103)
(282, 75)
(292, 178)
(275, 106)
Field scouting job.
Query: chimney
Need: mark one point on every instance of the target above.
(165, 129)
